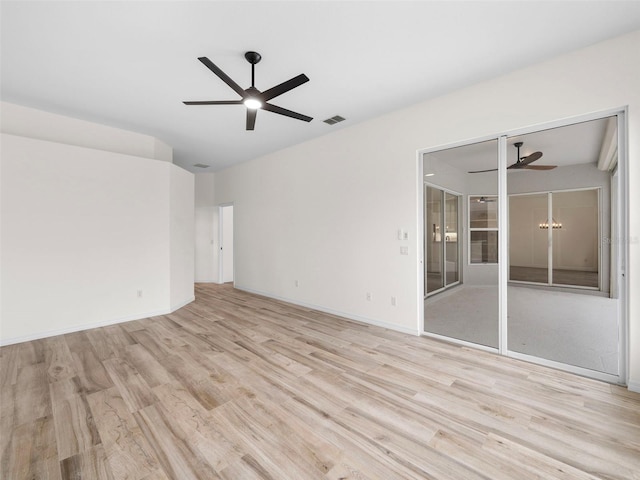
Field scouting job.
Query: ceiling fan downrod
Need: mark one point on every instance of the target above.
(253, 58)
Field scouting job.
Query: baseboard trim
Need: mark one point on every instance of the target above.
(633, 386)
(178, 305)
(350, 316)
(88, 326)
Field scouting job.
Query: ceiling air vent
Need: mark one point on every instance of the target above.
(334, 120)
(201, 165)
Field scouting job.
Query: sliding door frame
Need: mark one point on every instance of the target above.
(550, 282)
(620, 236)
(443, 211)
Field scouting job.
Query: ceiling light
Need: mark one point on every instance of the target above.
(545, 225)
(252, 103)
(429, 174)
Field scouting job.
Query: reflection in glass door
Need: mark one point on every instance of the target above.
(452, 265)
(562, 309)
(464, 257)
(441, 240)
(434, 273)
(575, 232)
(528, 239)
(554, 292)
(553, 238)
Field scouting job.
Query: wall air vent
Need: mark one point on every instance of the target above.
(334, 120)
(201, 165)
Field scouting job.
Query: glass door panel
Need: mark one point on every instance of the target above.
(434, 271)
(562, 319)
(451, 238)
(575, 238)
(528, 238)
(469, 310)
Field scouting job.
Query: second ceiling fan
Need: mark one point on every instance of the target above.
(522, 162)
(253, 98)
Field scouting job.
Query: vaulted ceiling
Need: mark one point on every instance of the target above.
(131, 64)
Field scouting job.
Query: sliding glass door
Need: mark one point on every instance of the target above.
(575, 238)
(441, 239)
(537, 228)
(563, 305)
(450, 244)
(461, 243)
(553, 238)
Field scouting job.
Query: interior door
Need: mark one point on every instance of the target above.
(226, 243)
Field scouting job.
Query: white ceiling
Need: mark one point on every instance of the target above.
(563, 146)
(131, 64)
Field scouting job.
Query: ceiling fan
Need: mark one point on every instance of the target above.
(484, 199)
(253, 98)
(522, 162)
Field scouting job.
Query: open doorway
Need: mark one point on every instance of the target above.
(226, 244)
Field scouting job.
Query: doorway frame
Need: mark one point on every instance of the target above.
(221, 208)
(622, 194)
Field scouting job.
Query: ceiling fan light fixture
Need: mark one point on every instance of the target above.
(252, 103)
(252, 98)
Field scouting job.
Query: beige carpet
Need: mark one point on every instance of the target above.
(571, 328)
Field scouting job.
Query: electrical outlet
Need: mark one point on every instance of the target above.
(404, 250)
(297, 283)
(368, 296)
(393, 301)
(139, 293)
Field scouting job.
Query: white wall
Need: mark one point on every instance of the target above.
(182, 243)
(326, 212)
(83, 231)
(32, 123)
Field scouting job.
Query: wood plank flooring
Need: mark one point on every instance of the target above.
(237, 386)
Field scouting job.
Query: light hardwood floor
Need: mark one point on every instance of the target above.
(237, 386)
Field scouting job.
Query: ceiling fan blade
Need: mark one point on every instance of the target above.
(284, 87)
(539, 167)
(285, 112)
(251, 118)
(215, 102)
(223, 76)
(482, 171)
(530, 158)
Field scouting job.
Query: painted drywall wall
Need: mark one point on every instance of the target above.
(33, 123)
(326, 212)
(182, 243)
(89, 238)
(206, 241)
